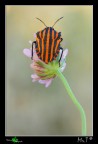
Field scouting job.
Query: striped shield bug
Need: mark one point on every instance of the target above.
(47, 44)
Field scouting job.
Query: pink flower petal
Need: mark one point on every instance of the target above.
(35, 57)
(34, 35)
(35, 77)
(65, 52)
(63, 67)
(27, 52)
(46, 82)
(42, 81)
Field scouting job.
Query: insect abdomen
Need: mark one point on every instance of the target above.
(47, 44)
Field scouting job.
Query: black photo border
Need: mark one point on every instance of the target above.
(32, 139)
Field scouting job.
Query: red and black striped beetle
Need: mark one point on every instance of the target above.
(47, 44)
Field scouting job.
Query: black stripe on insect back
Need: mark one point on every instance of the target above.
(54, 47)
(42, 33)
(50, 44)
(37, 34)
(55, 43)
(45, 40)
(40, 43)
(54, 34)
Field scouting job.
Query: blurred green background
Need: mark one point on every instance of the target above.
(32, 109)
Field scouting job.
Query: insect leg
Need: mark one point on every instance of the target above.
(61, 39)
(32, 49)
(61, 55)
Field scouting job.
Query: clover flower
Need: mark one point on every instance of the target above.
(45, 73)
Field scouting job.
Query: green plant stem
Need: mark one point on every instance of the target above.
(75, 101)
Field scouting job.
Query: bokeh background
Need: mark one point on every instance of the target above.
(32, 109)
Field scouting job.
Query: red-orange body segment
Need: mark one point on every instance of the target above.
(48, 44)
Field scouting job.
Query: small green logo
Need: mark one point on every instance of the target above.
(14, 140)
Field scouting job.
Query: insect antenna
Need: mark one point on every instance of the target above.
(57, 21)
(41, 21)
